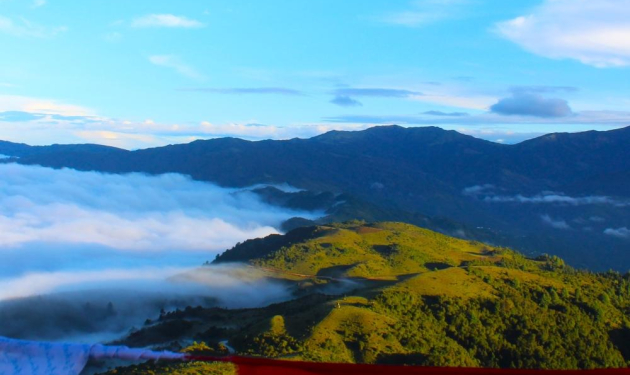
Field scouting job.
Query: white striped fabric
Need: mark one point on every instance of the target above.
(21, 357)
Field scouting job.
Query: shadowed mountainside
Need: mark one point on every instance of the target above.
(418, 171)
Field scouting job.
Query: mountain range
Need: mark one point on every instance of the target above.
(564, 193)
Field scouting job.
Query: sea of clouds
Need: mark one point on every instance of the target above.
(71, 239)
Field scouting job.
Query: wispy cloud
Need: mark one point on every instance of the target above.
(38, 3)
(345, 101)
(98, 305)
(176, 63)
(543, 89)
(248, 90)
(343, 96)
(424, 12)
(255, 131)
(594, 118)
(41, 105)
(618, 232)
(65, 124)
(21, 116)
(560, 199)
(445, 114)
(488, 193)
(17, 116)
(376, 92)
(593, 32)
(22, 27)
(555, 223)
(166, 20)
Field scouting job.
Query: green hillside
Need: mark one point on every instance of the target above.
(384, 250)
(414, 297)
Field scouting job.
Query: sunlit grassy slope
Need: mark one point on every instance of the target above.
(383, 250)
(413, 296)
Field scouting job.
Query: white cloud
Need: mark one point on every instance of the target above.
(619, 232)
(41, 105)
(555, 223)
(234, 284)
(53, 122)
(120, 139)
(43, 283)
(175, 63)
(127, 212)
(556, 198)
(83, 305)
(258, 131)
(591, 118)
(499, 135)
(594, 32)
(22, 27)
(38, 3)
(477, 189)
(165, 20)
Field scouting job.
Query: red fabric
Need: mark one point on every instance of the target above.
(263, 366)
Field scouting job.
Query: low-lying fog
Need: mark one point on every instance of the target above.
(86, 255)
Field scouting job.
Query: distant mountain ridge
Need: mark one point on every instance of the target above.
(573, 156)
(420, 170)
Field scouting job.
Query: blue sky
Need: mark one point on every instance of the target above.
(137, 74)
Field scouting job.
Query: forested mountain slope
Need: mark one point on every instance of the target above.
(412, 296)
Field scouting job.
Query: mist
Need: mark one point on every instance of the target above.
(75, 244)
(487, 194)
(101, 312)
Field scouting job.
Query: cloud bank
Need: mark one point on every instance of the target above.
(86, 256)
(128, 212)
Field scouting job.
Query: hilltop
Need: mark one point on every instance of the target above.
(382, 250)
(407, 295)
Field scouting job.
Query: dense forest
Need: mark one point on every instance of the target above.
(392, 293)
